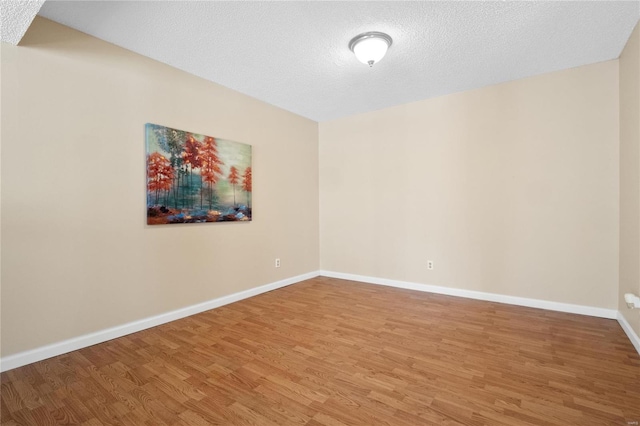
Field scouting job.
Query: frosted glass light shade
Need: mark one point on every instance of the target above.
(371, 47)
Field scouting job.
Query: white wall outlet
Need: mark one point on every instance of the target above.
(429, 264)
(632, 300)
(277, 263)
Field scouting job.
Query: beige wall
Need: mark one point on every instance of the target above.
(509, 189)
(1, 45)
(630, 176)
(77, 254)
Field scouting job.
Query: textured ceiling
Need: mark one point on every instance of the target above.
(15, 18)
(294, 54)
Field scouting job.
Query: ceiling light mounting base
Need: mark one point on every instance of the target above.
(371, 34)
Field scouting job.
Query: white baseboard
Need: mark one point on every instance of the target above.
(479, 295)
(635, 340)
(23, 358)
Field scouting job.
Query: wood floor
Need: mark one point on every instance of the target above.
(333, 352)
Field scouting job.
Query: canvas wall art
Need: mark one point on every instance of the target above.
(194, 178)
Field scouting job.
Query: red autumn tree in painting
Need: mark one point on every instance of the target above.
(246, 184)
(234, 178)
(210, 169)
(191, 155)
(159, 173)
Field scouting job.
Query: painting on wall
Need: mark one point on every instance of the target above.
(194, 178)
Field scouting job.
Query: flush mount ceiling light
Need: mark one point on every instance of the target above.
(370, 47)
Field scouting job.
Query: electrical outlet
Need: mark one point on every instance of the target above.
(277, 263)
(429, 264)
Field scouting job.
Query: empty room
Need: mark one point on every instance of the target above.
(319, 213)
